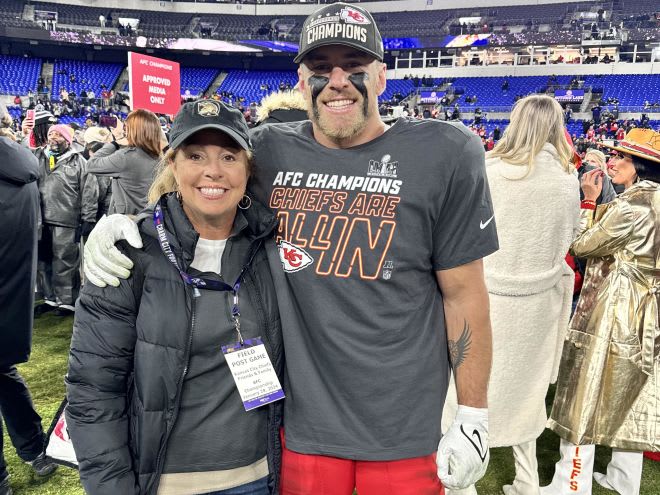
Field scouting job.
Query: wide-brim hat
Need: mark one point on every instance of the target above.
(644, 143)
(340, 24)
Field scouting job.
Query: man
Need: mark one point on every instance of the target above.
(69, 198)
(19, 197)
(379, 276)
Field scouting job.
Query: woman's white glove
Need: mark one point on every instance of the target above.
(102, 261)
(463, 453)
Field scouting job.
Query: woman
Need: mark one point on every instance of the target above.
(132, 167)
(607, 391)
(536, 202)
(596, 158)
(35, 131)
(153, 408)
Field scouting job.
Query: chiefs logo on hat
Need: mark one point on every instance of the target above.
(352, 16)
(293, 258)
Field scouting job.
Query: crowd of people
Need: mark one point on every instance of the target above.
(284, 309)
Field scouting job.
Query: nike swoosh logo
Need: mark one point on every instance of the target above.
(479, 448)
(483, 225)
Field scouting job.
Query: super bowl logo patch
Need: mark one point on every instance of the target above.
(293, 258)
(353, 16)
(208, 108)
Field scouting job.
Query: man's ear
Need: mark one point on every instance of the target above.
(301, 81)
(382, 79)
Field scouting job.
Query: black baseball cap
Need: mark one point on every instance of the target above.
(340, 24)
(209, 114)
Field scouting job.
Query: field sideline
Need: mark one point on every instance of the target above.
(44, 375)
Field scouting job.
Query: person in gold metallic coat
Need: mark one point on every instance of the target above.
(608, 390)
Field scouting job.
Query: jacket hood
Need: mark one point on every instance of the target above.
(292, 100)
(17, 163)
(256, 222)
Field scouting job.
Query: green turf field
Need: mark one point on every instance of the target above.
(44, 375)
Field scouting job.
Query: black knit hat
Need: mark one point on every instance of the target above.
(209, 114)
(43, 117)
(340, 24)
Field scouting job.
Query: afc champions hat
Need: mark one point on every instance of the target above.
(209, 114)
(340, 24)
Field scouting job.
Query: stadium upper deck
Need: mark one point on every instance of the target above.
(554, 23)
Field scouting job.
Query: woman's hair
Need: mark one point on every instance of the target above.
(164, 181)
(7, 132)
(646, 169)
(535, 121)
(143, 131)
(40, 134)
(5, 119)
(597, 156)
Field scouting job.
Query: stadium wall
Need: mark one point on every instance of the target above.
(302, 8)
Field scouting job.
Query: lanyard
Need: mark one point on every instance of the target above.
(199, 282)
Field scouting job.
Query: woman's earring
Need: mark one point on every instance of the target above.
(245, 202)
(178, 196)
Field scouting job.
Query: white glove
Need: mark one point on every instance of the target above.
(103, 262)
(463, 453)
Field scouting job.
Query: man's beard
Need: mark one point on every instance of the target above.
(344, 131)
(58, 149)
(338, 130)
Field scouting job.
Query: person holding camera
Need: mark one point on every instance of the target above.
(130, 159)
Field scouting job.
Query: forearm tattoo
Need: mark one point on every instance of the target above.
(459, 349)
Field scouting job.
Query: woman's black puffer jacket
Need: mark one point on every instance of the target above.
(131, 346)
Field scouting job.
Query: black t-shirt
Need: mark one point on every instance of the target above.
(362, 232)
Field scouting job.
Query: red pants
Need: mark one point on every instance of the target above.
(305, 474)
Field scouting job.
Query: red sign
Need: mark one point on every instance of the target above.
(155, 84)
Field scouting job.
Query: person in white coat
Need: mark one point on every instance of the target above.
(536, 200)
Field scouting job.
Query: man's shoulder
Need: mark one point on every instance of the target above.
(74, 159)
(279, 128)
(434, 128)
(277, 132)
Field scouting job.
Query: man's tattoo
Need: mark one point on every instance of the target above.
(458, 350)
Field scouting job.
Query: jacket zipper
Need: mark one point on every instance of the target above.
(195, 294)
(159, 467)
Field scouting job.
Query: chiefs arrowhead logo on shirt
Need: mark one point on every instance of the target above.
(293, 258)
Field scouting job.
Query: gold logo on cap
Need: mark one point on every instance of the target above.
(208, 108)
